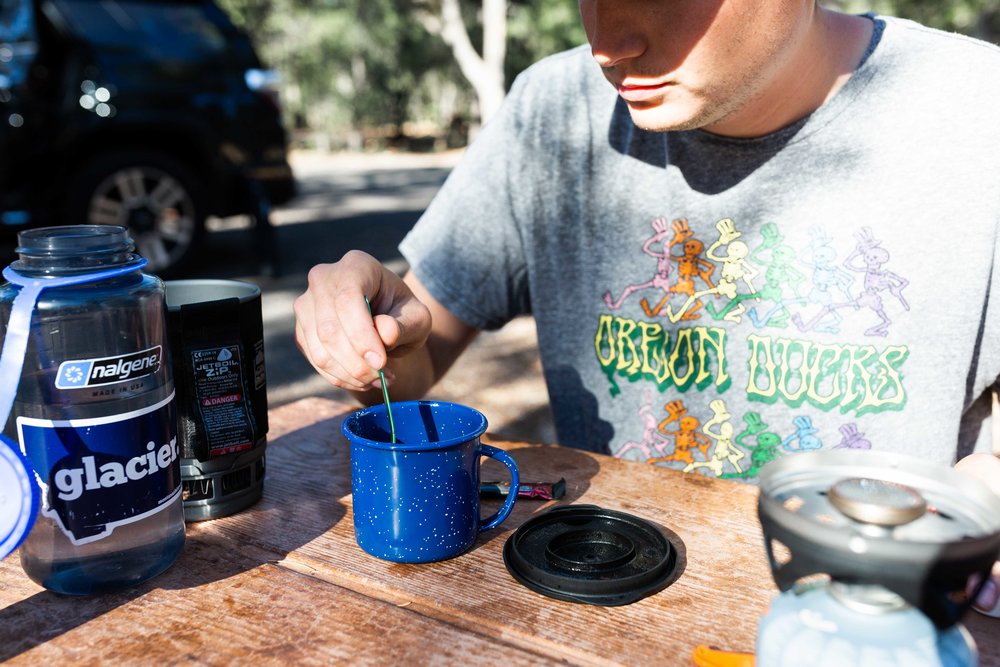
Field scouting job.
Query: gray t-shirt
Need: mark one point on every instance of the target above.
(713, 303)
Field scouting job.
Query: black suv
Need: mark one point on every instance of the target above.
(147, 113)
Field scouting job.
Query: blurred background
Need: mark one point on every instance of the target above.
(422, 74)
(252, 139)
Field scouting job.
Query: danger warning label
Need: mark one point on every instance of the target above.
(222, 399)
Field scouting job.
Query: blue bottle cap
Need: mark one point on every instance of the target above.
(19, 497)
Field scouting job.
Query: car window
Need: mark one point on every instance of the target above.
(17, 41)
(164, 31)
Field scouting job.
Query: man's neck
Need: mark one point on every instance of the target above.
(829, 53)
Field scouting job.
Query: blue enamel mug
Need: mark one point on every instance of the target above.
(417, 500)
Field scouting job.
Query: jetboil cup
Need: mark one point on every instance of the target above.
(417, 499)
(90, 450)
(217, 340)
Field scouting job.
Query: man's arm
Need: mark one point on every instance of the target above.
(986, 467)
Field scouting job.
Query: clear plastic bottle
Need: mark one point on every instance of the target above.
(97, 354)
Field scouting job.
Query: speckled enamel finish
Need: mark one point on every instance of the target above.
(417, 500)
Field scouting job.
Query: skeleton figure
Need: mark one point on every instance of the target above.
(779, 276)
(724, 450)
(804, 438)
(660, 279)
(690, 265)
(868, 258)
(852, 438)
(765, 451)
(734, 268)
(826, 277)
(653, 443)
(686, 437)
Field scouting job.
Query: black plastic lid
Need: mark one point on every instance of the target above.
(583, 553)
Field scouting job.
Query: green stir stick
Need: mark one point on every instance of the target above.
(385, 390)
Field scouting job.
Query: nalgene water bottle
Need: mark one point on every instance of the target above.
(94, 411)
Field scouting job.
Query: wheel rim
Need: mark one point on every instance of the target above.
(155, 206)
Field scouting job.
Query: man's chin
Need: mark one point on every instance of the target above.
(663, 118)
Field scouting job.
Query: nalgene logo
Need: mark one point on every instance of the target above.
(108, 370)
(100, 473)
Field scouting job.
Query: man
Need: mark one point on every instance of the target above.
(838, 172)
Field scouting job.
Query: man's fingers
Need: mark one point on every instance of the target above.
(988, 596)
(988, 600)
(352, 327)
(324, 363)
(338, 311)
(407, 329)
(329, 352)
(348, 340)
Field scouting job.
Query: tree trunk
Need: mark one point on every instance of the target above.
(484, 72)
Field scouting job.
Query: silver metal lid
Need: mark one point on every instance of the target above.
(821, 489)
(877, 501)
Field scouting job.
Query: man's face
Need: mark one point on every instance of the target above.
(685, 64)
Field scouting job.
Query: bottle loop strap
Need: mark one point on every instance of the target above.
(15, 342)
(18, 510)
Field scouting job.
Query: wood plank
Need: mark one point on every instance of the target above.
(725, 564)
(223, 606)
(986, 631)
(284, 581)
(725, 587)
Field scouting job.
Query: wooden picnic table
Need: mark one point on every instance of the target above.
(284, 581)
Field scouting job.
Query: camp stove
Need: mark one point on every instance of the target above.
(872, 554)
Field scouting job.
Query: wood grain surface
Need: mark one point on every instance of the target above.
(284, 582)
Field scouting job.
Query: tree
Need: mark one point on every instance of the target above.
(349, 66)
(484, 72)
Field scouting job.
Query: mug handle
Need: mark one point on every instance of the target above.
(515, 483)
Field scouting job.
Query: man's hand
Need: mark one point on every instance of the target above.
(985, 468)
(338, 336)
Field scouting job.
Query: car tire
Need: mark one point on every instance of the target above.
(153, 194)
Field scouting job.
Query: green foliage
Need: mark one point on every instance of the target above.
(979, 18)
(344, 63)
(372, 66)
(538, 29)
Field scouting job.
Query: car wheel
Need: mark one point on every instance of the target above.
(152, 194)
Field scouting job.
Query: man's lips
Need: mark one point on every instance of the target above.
(639, 93)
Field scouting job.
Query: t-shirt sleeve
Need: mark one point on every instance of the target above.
(467, 248)
(987, 369)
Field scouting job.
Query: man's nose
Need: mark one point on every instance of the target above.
(613, 35)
